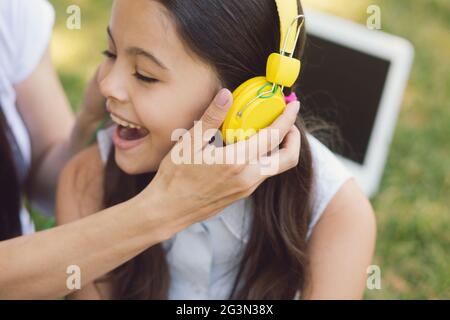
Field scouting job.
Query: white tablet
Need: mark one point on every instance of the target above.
(355, 78)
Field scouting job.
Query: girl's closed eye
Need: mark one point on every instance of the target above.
(108, 54)
(143, 78)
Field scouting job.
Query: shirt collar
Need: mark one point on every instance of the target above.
(237, 218)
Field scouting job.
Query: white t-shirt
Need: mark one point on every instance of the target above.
(203, 258)
(25, 32)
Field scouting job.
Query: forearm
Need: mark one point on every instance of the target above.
(34, 267)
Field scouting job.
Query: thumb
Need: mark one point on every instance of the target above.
(216, 113)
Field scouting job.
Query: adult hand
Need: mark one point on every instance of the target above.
(190, 193)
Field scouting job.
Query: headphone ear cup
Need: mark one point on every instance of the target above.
(255, 116)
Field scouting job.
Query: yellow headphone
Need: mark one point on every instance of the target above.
(255, 105)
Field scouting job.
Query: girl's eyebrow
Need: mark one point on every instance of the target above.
(135, 51)
(141, 52)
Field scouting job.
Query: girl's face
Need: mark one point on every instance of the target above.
(152, 82)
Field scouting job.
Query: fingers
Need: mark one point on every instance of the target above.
(251, 177)
(288, 156)
(248, 150)
(282, 125)
(282, 160)
(268, 138)
(212, 119)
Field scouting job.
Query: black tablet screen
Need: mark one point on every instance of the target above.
(343, 87)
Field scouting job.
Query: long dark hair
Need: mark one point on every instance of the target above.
(9, 187)
(236, 37)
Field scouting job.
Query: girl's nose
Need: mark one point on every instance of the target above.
(112, 84)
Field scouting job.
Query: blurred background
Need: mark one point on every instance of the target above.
(413, 204)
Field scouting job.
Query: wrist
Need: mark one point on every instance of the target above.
(156, 216)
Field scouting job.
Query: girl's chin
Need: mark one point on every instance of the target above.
(133, 166)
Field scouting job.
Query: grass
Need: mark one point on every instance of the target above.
(413, 205)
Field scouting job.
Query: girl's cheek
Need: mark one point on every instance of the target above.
(158, 117)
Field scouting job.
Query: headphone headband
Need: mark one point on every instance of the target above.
(288, 12)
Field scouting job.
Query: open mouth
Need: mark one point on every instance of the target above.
(127, 130)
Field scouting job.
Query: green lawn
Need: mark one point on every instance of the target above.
(413, 205)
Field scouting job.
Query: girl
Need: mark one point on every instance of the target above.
(308, 232)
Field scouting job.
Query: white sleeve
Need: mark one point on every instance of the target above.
(26, 31)
(329, 175)
(105, 143)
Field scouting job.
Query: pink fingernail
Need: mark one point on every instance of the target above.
(290, 98)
